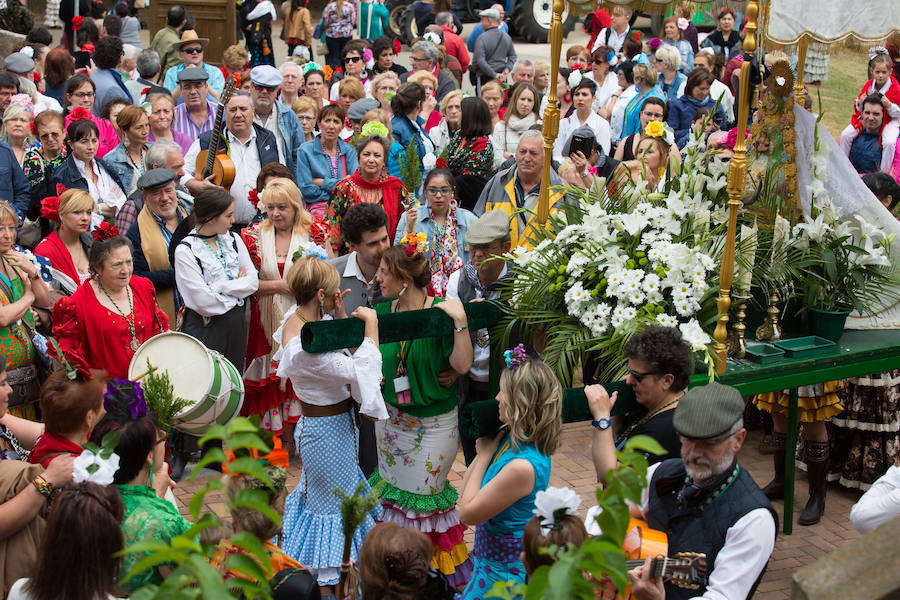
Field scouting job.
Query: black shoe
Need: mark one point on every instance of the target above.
(775, 489)
(816, 459)
(179, 462)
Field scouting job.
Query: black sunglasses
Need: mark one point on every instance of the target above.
(192, 50)
(638, 376)
(353, 59)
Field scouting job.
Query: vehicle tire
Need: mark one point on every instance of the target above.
(395, 9)
(531, 20)
(407, 24)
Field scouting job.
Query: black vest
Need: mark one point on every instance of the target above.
(266, 145)
(695, 527)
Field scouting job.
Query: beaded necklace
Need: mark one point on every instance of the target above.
(620, 438)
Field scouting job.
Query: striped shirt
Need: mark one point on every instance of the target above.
(185, 124)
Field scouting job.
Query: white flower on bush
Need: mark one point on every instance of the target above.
(577, 263)
(622, 314)
(103, 474)
(694, 335)
(666, 320)
(575, 298)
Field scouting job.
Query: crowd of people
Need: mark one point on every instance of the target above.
(113, 230)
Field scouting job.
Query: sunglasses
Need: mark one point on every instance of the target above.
(193, 50)
(353, 59)
(638, 376)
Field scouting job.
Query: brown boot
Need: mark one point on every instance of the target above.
(775, 489)
(816, 459)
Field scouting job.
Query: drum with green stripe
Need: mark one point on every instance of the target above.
(202, 376)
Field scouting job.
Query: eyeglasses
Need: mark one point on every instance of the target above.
(419, 59)
(193, 50)
(638, 376)
(83, 94)
(263, 88)
(353, 59)
(439, 191)
(659, 60)
(161, 440)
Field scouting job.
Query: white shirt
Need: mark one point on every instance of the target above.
(878, 505)
(245, 157)
(748, 545)
(617, 118)
(605, 88)
(271, 123)
(329, 378)
(105, 190)
(213, 289)
(613, 40)
(598, 124)
(480, 369)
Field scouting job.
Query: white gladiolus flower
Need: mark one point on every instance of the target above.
(694, 335)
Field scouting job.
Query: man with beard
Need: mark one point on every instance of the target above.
(706, 502)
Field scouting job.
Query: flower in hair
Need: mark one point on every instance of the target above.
(50, 208)
(414, 243)
(88, 47)
(876, 51)
(253, 197)
(77, 22)
(23, 100)
(94, 467)
(311, 66)
(310, 249)
(27, 51)
(655, 129)
(125, 392)
(432, 37)
(514, 357)
(79, 113)
(104, 231)
(375, 128)
(553, 505)
(33, 128)
(682, 23)
(575, 77)
(368, 58)
(397, 46)
(441, 162)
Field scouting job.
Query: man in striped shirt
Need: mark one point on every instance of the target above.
(196, 114)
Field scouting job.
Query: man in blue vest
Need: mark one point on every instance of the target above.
(707, 502)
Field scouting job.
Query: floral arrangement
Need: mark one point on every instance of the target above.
(414, 243)
(608, 266)
(127, 395)
(514, 357)
(555, 504)
(375, 128)
(50, 208)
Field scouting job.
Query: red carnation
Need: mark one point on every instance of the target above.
(410, 250)
(441, 163)
(77, 21)
(33, 128)
(36, 76)
(105, 231)
(50, 208)
(60, 188)
(397, 46)
(253, 197)
(79, 113)
(88, 47)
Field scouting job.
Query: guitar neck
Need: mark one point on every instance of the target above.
(214, 141)
(659, 567)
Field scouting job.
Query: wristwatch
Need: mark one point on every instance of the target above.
(603, 423)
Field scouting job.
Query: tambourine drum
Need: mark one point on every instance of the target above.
(200, 375)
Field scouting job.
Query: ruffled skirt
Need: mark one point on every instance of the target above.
(415, 455)
(312, 531)
(816, 403)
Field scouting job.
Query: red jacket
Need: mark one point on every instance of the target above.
(456, 47)
(893, 94)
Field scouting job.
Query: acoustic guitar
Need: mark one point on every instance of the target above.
(685, 569)
(214, 160)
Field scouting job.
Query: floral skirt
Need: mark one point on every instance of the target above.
(498, 557)
(414, 458)
(865, 438)
(312, 530)
(816, 403)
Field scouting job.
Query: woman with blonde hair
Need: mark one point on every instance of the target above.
(68, 247)
(384, 86)
(17, 126)
(650, 163)
(307, 111)
(500, 485)
(451, 109)
(127, 159)
(492, 94)
(430, 117)
(332, 385)
(646, 83)
(541, 76)
(272, 244)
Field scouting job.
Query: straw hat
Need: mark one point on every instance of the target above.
(189, 35)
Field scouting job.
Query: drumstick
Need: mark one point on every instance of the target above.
(145, 373)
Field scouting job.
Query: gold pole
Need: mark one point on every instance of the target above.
(737, 172)
(551, 113)
(799, 93)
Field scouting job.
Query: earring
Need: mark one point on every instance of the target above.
(405, 285)
(321, 308)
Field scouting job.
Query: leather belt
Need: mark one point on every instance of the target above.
(313, 410)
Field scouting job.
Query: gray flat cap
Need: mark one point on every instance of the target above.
(266, 76)
(708, 412)
(18, 63)
(155, 178)
(489, 227)
(192, 74)
(359, 108)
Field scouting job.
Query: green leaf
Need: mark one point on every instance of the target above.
(243, 564)
(241, 425)
(212, 455)
(208, 577)
(252, 467)
(645, 443)
(215, 432)
(256, 500)
(250, 543)
(248, 441)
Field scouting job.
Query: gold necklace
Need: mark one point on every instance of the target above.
(129, 318)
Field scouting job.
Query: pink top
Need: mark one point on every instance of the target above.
(108, 139)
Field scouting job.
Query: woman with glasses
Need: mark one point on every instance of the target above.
(353, 64)
(80, 93)
(384, 86)
(41, 160)
(668, 62)
(601, 74)
(654, 109)
(369, 184)
(306, 110)
(659, 369)
(446, 225)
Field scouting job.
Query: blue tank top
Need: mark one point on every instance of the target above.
(513, 519)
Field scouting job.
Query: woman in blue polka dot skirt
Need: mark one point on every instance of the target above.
(329, 386)
(500, 485)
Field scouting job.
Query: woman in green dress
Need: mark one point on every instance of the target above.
(418, 442)
(142, 478)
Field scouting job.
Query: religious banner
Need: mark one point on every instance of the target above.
(832, 21)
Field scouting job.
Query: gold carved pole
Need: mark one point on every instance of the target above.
(799, 92)
(551, 113)
(737, 172)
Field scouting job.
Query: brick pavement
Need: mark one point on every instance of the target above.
(572, 467)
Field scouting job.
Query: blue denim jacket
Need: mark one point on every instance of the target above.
(117, 162)
(312, 162)
(425, 224)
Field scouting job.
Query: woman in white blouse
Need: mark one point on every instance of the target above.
(583, 116)
(214, 276)
(331, 385)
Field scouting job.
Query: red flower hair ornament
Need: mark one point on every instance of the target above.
(77, 22)
(50, 208)
(441, 163)
(105, 231)
(33, 128)
(79, 113)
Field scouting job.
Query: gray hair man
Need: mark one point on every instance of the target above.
(291, 83)
(453, 44)
(148, 70)
(495, 53)
(480, 278)
(523, 71)
(425, 56)
(163, 154)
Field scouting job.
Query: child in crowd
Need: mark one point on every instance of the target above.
(556, 523)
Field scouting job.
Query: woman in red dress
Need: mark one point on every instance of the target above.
(272, 243)
(67, 248)
(106, 320)
(370, 184)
